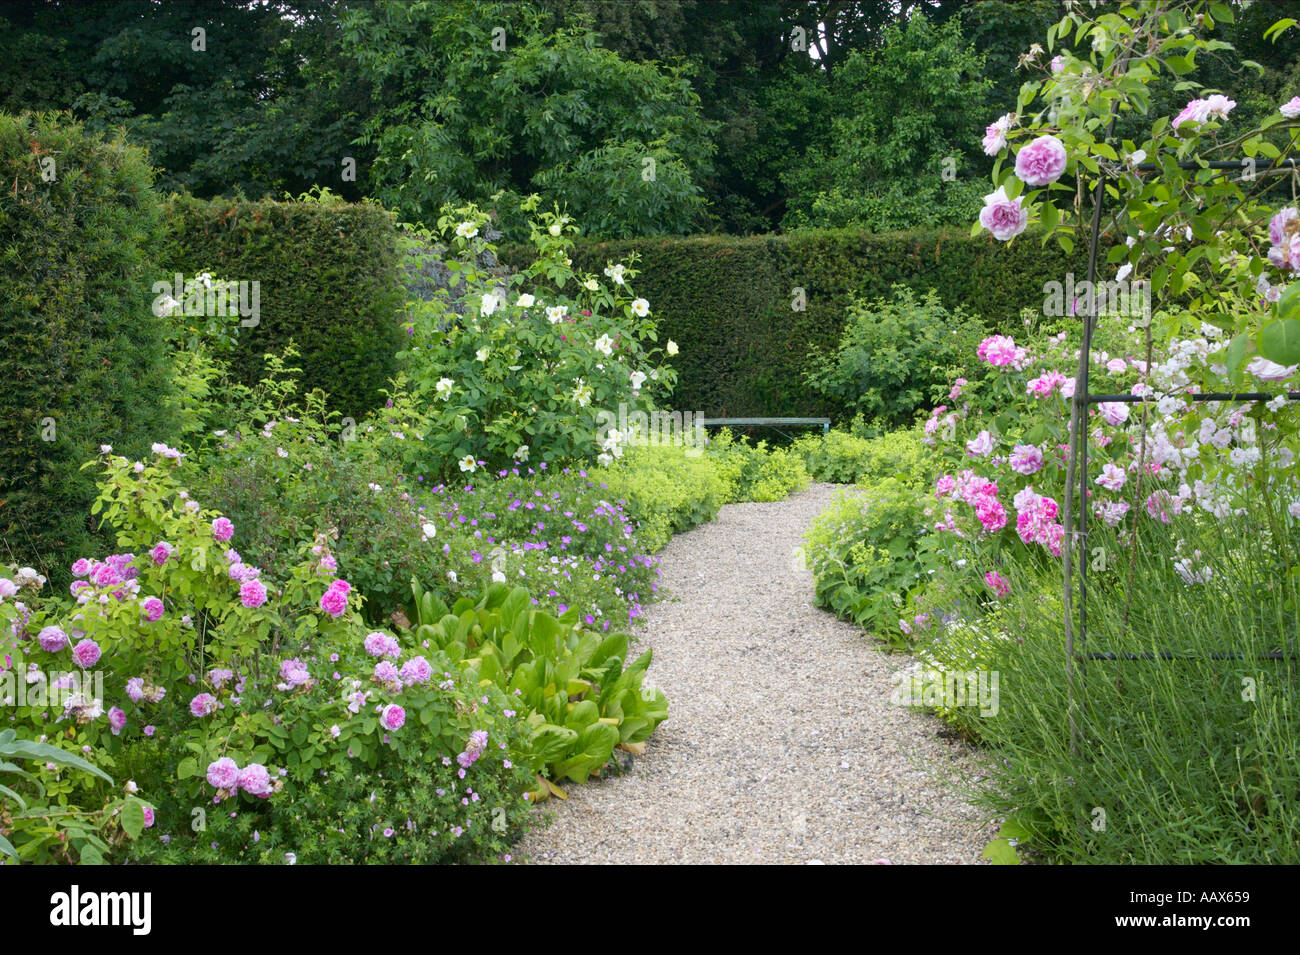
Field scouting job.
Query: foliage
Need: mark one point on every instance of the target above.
(894, 355)
(754, 472)
(581, 700)
(475, 100)
(666, 490)
(900, 153)
(842, 457)
(870, 552)
(84, 361)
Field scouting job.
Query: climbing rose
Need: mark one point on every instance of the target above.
(334, 601)
(1025, 459)
(1291, 108)
(980, 445)
(998, 350)
(995, 135)
(1041, 162)
(1002, 216)
(416, 670)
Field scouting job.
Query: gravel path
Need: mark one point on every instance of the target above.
(781, 744)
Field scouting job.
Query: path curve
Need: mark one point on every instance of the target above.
(781, 744)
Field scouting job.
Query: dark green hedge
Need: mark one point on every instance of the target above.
(329, 282)
(84, 359)
(727, 300)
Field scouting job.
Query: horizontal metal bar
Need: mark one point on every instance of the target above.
(1220, 164)
(1206, 396)
(770, 421)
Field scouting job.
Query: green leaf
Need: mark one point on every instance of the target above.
(1279, 341)
(1001, 852)
(7, 848)
(133, 817)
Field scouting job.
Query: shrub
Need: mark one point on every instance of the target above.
(895, 355)
(531, 372)
(752, 472)
(84, 360)
(842, 457)
(870, 552)
(665, 491)
(328, 278)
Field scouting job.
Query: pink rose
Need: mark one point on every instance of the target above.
(116, 720)
(252, 593)
(224, 774)
(153, 608)
(1291, 108)
(393, 717)
(86, 653)
(255, 780)
(995, 135)
(1041, 162)
(203, 705)
(1025, 459)
(222, 530)
(1002, 216)
(52, 639)
(148, 817)
(334, 602)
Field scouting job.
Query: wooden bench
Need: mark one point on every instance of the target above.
(775, 423)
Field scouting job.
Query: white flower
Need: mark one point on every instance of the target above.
(1124, 272)
(672, 347)
(615, 272)
(521, 453)
(1291, 108)
(638, 379)
(606, 459)
(481, 354)
(105, 449)
(556, 227)
(467, 230)
(1168, 405)
(605, 345)
(498, 577)
(640, 307)
(591, 285)
(451, 575)
(444, 388)
(290, 858)
(429, 530)
(489, 304)
(556, 313)
(1135, 159)
(1266, 370)
(467, 463)
(1276, 404)
(525, 301)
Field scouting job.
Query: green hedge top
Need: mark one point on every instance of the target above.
(729, 302)
(328, 281)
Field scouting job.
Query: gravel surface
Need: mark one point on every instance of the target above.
(781, 745)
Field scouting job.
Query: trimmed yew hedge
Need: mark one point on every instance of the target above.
(329, 283)
(727, 300)
(84, 359)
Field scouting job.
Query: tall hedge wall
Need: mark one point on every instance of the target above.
(84, 360)
(727, 300)
(328, 274)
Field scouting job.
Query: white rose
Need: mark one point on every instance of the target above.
(672, 347)
(525, 301)
(640, 307)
